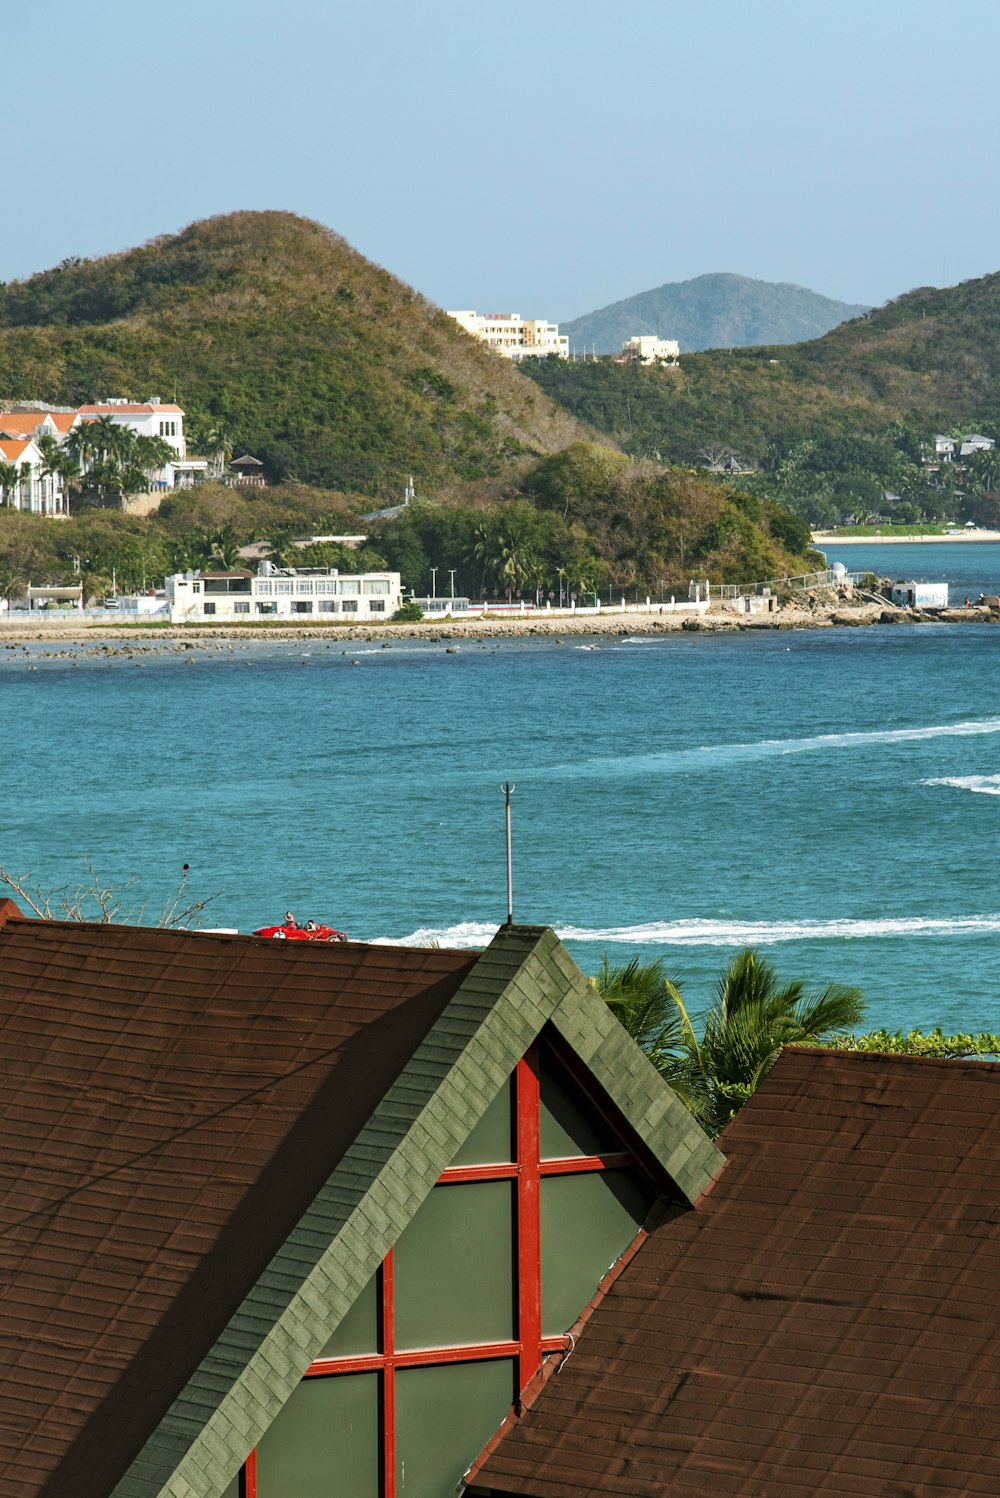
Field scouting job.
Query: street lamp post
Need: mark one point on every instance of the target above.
(451, 574)
(434, 582)
(562, 574)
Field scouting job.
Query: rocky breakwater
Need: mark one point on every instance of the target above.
(840, 607)
(820, 608)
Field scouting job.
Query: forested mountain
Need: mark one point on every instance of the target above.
(276, 330)
(831, 425)
(712, 311)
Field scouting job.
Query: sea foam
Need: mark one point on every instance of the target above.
(468, 935)
(984, 785)
(704, 756)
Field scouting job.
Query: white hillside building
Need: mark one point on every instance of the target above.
(514, 336)
(152, 418)
(146, 419)
(37, 491)
(647, 348)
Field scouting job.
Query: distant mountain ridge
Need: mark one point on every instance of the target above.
(718, 310)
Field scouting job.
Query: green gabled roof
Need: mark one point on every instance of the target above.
(524, 980)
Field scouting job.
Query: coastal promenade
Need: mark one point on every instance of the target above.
(814, 612)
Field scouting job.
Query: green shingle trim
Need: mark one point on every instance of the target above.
(636, 1088)
(524, 979)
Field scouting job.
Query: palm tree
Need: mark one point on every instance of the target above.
(25, 474)
(753, 1018)
(9, 478)
(57, 462)
(11, 583)
(208, 436)
(485, 549)
(82, 441)
(225, 548)
(141, 459)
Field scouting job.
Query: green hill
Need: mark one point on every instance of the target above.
(337, 375)
(928, 361)
(833, 428)
(270, 326)
(712, 311)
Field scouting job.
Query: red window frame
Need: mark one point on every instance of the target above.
(526, 1170)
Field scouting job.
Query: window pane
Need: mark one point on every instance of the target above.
(569, 1126)
(454, 1268)
(358, 1332)
(490, 1141)
(324, 1444)
(444, 1417)
(587, 1223)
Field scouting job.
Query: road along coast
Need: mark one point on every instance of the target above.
(823, 609)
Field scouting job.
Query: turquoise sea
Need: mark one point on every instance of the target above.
(832, 795)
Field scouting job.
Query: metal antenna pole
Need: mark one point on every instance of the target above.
(508, 791)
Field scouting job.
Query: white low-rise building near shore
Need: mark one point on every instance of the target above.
(326, 595)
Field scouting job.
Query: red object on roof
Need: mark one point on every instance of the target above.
(825, 1321)
(303, 933)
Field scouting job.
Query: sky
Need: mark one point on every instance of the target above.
(546, 157)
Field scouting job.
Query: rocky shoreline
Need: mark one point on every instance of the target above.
(823, 609)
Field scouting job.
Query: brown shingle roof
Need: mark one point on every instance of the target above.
(170, 1105)
(823, 1322)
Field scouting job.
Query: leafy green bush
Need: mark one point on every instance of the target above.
(409, 612)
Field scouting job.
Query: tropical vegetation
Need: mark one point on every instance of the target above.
(838, 427)
(754, 1015)
(716, 1064)
(275, 336)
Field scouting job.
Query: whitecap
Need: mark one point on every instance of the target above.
(984, 785)
(735, 933)
(465, 936)
(672, 761)
(471, 935)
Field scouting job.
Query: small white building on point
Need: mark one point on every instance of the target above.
(514, 336)
(322, 593)
(647, 348)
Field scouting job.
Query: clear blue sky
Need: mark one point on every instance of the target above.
(540, 156)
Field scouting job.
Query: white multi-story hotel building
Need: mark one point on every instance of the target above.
(284, 593)
(514, 336)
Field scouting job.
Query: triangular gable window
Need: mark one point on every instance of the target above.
(484, 1283)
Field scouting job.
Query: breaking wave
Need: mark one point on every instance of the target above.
(676, 760)
(984, 785)
(469, 935)
(862, 737)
